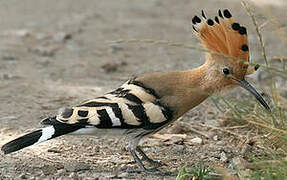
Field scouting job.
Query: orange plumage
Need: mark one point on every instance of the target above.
(225, 36)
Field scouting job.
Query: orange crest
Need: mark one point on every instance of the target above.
(222, 35)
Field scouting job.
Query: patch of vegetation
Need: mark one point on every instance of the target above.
(200, 172)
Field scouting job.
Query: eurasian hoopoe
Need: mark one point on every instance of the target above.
(145, 104)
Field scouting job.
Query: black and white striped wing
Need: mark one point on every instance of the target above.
(98, 114)
(133, 108)
(130, 106)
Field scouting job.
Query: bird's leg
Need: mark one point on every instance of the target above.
(139, 162)
(132, 148)
(147, 159)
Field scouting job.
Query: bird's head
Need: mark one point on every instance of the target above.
(227, 59)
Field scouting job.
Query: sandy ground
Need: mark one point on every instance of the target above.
(55, 53)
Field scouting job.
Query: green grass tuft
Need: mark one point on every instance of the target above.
(200, 172)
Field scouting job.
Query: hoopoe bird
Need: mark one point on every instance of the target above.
(145, 104)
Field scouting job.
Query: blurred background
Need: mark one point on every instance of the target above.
(59, 53)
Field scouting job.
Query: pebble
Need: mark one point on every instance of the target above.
(175, 140)
(60, 172)
(215, 138)
(73, 175)
(22, 176)
(124, 174)
(173, 170)
(115, 48)
(223, 157)
(180, 148)
(196, 140)
(54, 150)
(41, 36)
(110, 67)
(62, 36)
(22, 33)
(238, 163)
(220, 143)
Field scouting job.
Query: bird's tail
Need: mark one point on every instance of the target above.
(53, 129)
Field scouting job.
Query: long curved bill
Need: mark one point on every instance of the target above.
(243, 83)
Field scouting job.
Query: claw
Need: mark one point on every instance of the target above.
(153, 163)
(139, 170)
(154, 171)
(147, 159)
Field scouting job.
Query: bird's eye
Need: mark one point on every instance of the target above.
(225, 71)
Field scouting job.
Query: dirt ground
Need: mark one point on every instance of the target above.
(55, 54)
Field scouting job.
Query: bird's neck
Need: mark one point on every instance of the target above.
(196, 86)
(181, 91)
(199, 80)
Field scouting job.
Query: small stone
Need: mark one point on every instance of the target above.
(220, 143)
(23, 176)
(62, 36)
(196, 140)
(223, 157)
(22, 33)
(215, 138)
(42, 177)
(41, 36)
(179, 128)
(60, 172)
(180, 148)
(154, 142)
(73, 175)
(124, 174)
(96, 149)
(238, 163)
(115, 48)
(54, 150)
(110, 67)
(176, 140)
(173, 170)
